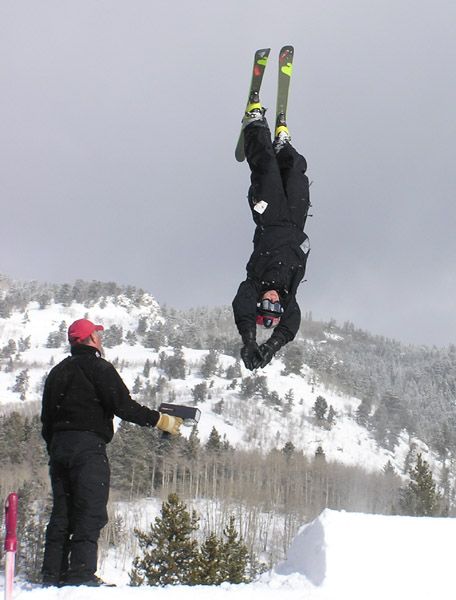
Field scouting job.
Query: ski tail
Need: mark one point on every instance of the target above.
(259, 65)
(283, 87)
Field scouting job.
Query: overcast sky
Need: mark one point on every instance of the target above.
(119, 120)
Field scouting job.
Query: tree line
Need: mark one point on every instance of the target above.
(283, 483)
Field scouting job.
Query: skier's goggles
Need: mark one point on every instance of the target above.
(267, 306)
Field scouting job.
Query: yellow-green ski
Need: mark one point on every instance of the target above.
(283, 86)
(259, 65)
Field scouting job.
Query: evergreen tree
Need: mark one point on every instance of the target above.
(23, 344)
(155, 338)
(288, 449)
(132, 453)
(131, 338)
(113, 336)
(21, 384)
(8, 350)
(199, 392)
(288, 402)
(331, 416)
(210, 364)
(293, 359)
(218, 407)
(420, 498)
(320, 455)
(142, 326)
(64, 295)
(169, 553)
(147, 366)
(214, 441)
(193, 445)
(234, 371)
(363, 412)
(211, 562)
(44, 300)
(273, 399)
(137, 385)
(5, 309)
(320, 407)
(32, 519)
(255, 387)
(55, 339)
(174, 365)
(235, 556)
(388, 420)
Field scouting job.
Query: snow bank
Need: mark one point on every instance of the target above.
(339, 556)
(351, 555)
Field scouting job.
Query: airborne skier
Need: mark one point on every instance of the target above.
(279, 200)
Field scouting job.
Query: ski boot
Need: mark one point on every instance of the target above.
(254, 110)
(282, 134)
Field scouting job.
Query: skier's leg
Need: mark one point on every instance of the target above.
(57, 532)
(90, 491)
(293, 168)
(266, 193)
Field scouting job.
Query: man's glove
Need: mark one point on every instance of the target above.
(250, 352)
(169, 424)
(267, 350)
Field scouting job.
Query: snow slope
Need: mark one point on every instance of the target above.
(339, 556)
(246, 424)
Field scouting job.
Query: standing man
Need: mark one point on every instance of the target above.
(81, 396)
(279, 200)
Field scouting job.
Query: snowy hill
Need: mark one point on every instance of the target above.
(339, 556)
(247, 423)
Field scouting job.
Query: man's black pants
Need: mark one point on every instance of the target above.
(79, 471)
(279, 181)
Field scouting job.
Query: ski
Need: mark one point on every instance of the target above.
(259, 65)
(285, 71)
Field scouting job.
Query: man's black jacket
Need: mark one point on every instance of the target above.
(278, 262)
(84, 392)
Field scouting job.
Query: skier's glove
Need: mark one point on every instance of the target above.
(169, 424)
(267, 350)
(251, 355)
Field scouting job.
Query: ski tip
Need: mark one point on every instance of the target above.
(286, 54)
(262, 52)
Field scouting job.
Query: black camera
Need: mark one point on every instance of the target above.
(189, 414)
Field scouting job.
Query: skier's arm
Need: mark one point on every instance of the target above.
(115, 397)
(244, 309)
(46, 430)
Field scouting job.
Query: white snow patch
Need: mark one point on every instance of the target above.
(339, 556)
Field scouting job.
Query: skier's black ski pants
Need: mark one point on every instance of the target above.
(276, 180)
(79, 471)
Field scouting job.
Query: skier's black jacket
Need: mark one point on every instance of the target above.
(84, 392)
(278, 262)
(279, 200)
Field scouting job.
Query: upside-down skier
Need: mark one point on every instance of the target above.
(279, 200)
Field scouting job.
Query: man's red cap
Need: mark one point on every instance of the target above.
(81, 329)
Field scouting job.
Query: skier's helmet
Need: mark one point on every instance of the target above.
(268, 313)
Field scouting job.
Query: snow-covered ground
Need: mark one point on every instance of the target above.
(339, 556)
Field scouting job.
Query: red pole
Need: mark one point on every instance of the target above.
(10, 543)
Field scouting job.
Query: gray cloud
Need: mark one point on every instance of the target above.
(119, 122)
